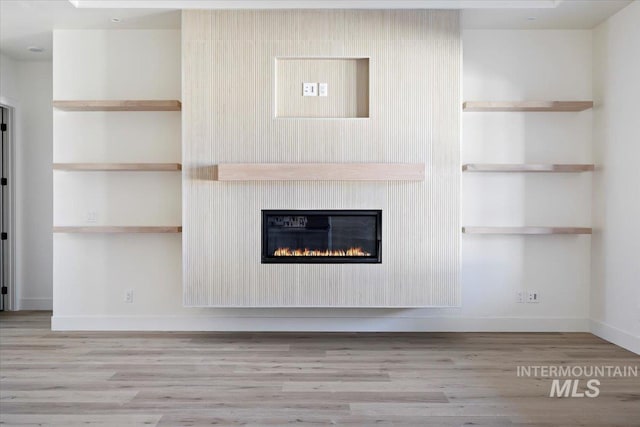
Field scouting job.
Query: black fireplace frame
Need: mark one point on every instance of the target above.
(266, 259)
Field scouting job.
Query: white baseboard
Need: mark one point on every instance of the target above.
(335, 324)
(616, 336)
(316, 324)
(36, 304)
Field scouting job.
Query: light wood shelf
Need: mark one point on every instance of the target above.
(320, 172)
(526, 230)
(501, 167)
(557, 106)
(119, 167)
(118, 229)
(119, 105)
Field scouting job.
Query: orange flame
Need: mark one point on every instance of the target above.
(320, 252)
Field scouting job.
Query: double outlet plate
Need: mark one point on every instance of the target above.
(315, 89)
(528, 297)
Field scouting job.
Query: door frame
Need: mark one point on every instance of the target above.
(12, 300)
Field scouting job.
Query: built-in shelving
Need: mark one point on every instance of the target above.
(118, 167)
(525, 106)
(506, 106)
(526, 230)
(320, 172)
(118, 229)
(119, 105)
(498, 167)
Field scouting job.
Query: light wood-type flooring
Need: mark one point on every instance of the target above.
(277, 379)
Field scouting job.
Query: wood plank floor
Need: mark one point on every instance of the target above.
(275, 379)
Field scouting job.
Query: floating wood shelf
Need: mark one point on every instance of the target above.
(143, 167)
(487, 167)
(526, 230)
(119, 105)
(320, 172)
(526, 105)
(120, 229)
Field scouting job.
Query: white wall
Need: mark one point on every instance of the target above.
(34, 203)
(28, 85)
(92, 272)
(615, 297)
(526, 65)
(8, 77)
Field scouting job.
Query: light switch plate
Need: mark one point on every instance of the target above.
(323, 89)
(309, 89)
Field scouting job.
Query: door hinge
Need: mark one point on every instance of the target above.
(3, 236)
(4, 290)
(3, 127)
(3, 181)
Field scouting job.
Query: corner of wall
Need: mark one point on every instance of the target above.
(615, 296)
(615, 336)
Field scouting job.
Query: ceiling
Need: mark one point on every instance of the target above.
(25, 23)
(568, 14)
(30, 23)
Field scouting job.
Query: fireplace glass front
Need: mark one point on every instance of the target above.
(321, 236)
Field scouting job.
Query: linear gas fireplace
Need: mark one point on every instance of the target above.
(321, 236)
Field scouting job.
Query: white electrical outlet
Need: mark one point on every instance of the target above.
(323, 89)
(520, 297)
(533, 297)
(309, 89)
(128, 296)
(92, 217)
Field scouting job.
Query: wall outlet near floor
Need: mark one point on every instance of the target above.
(128, 296)
(533, 297)
(527, 297)
(92, 217)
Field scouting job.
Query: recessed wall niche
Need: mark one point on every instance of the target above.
(347, 81)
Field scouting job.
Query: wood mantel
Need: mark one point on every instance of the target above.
(320, 172)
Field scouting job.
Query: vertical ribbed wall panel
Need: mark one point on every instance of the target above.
(228, 116)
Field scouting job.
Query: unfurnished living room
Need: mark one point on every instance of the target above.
(329, 212)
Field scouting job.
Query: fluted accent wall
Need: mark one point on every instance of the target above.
(229, 116)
